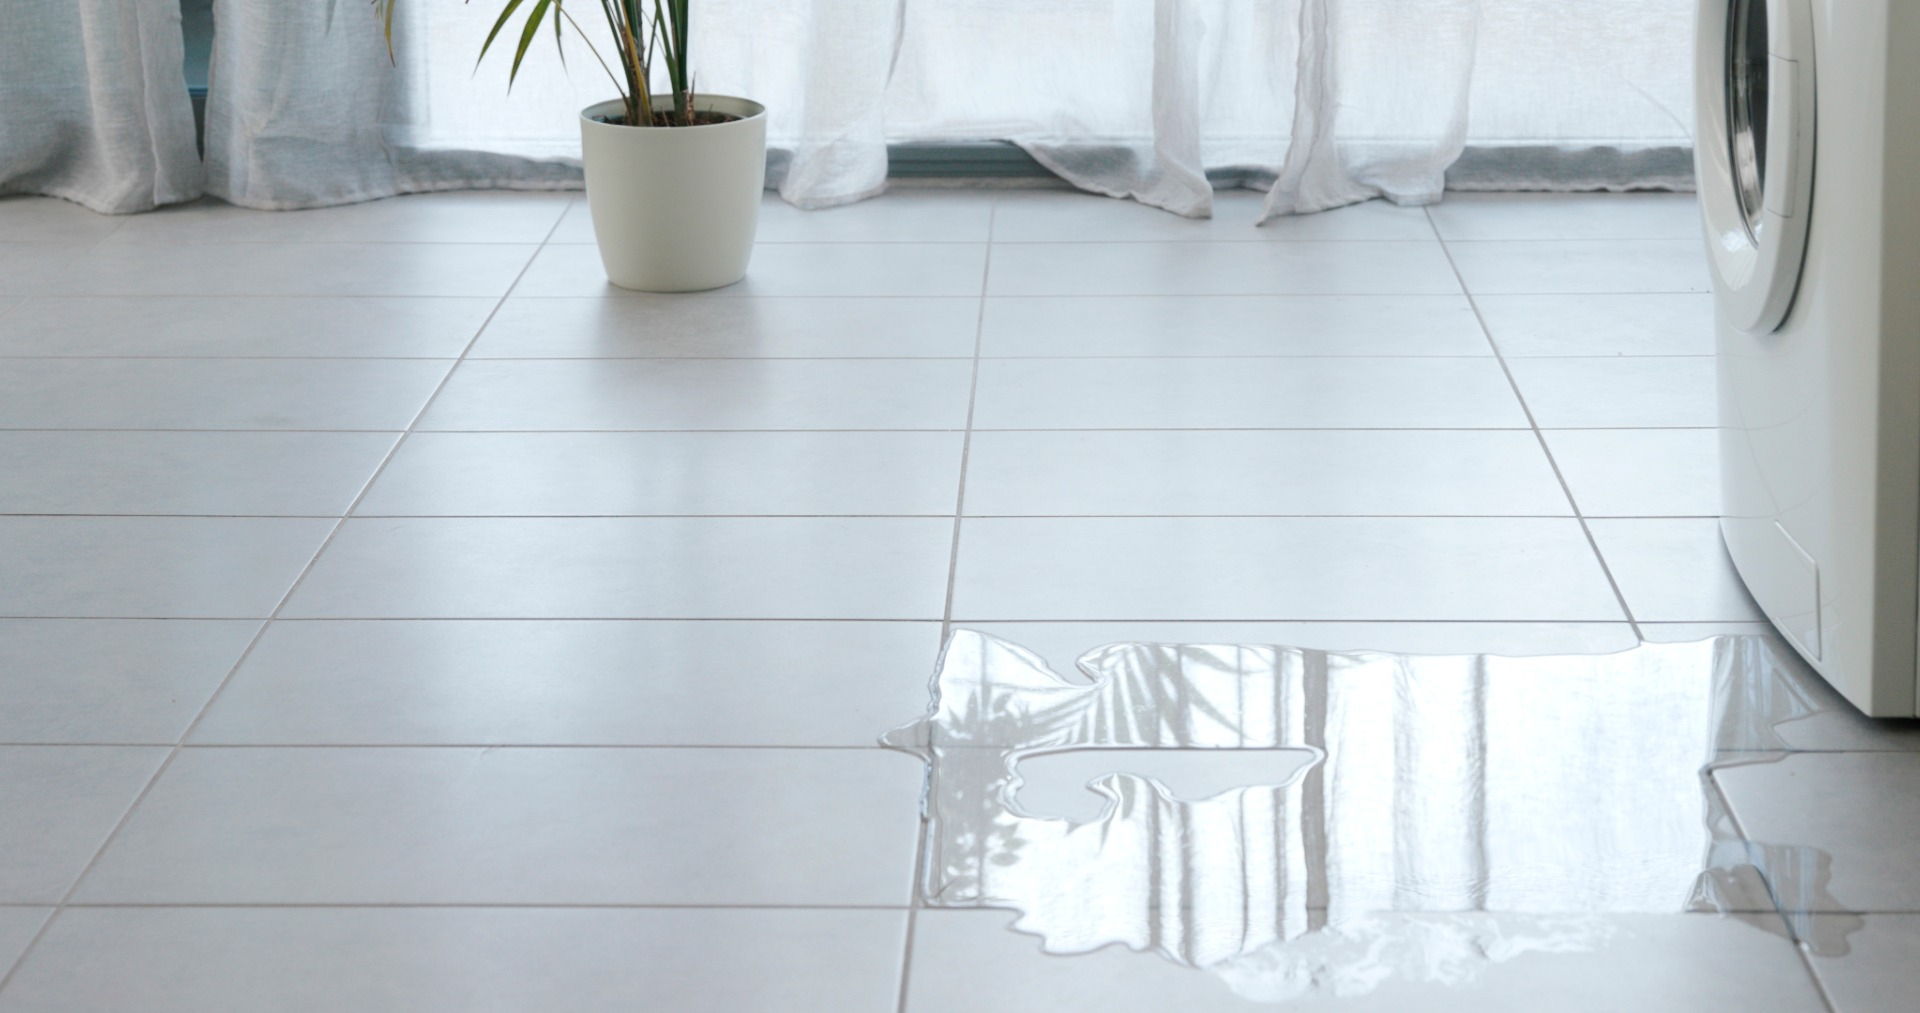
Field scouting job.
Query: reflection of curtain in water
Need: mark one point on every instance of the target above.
(1448, 784)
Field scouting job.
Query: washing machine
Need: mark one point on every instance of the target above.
(1808, 152)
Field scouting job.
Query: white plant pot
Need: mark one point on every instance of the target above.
(674, 208)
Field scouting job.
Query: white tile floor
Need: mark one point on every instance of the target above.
(396, 617)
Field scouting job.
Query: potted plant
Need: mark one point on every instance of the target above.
(673, 180)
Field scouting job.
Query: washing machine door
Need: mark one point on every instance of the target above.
(1753, 152)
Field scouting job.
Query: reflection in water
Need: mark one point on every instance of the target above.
(1459, 811)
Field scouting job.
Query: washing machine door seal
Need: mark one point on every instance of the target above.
(1754, 152)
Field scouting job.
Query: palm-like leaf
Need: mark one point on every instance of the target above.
(638, 36)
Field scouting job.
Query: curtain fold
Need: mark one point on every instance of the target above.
(1320, 102)
(96, 106)
(305, 108)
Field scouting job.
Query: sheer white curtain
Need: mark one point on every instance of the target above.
(1323, 102)
(93, 105)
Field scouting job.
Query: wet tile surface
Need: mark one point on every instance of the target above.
(1862, 808)
(596, 728)
(1671, 964)
(1877, 972)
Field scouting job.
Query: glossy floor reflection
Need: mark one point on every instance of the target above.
(395, 618)
(1421, 816)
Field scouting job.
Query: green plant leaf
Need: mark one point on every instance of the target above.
(512, 5)
(526, 37)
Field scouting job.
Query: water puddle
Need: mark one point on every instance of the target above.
(1307, 822)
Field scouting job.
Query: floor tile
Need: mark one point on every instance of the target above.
(1303, 393)
(792, 269)
(470, 217)
(643, 326)
(1660, 324)
(530, 394)
(18, 926)
(1286, 568)
(1640, 472)
(1863, 809)
(1062, 643)
(1176, 325)
(576, 225)
(923, 216)
(186, 473)
(520, 826)
(152, 567)
(1614, 265)
(576, 683)
(1674, 570)
(111, 680)
(1304, 268)
(1047, 217)
(1476, 216)
(57, 806)
(970, 960)
(634, 568)
(443, 269)
(1684, 633)
(1619, 393)
(1328, 471)
(463, 960)
(52, 220)
(31, 268)
(381, 394)
(1876, 975)
(243, 326)
(1836, 725)
(668, 473)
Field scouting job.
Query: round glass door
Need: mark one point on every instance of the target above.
(1747, 86)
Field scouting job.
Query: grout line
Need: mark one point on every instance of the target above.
(899, 296)
(265, 624)
(1234, 294)
(661, 357)
(905, 429)
(946, 611)
(1800, 947)
(40, 515)
(863, 748)
(1585, 529)
(490, 747)
(1265, 619)
(464, 905)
